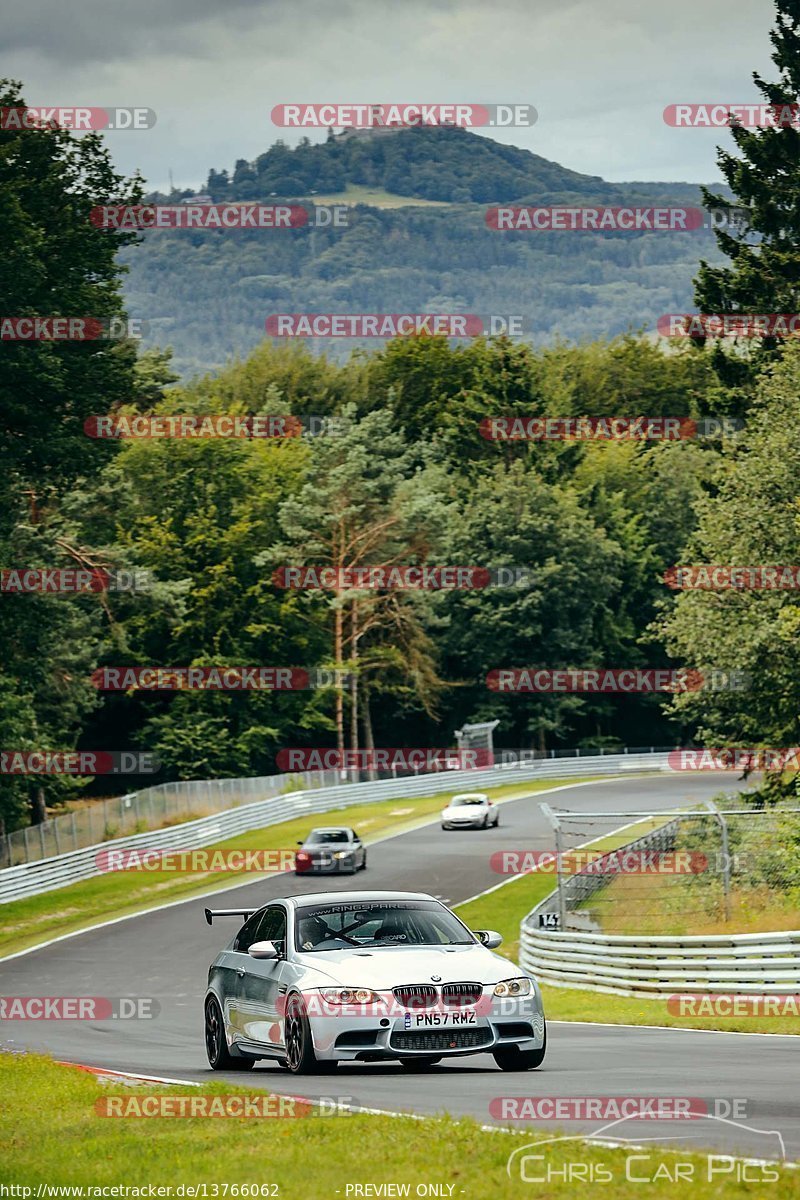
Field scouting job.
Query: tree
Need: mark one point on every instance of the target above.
(751, 519)
(53, 262)
(360, 505)
(764, 275)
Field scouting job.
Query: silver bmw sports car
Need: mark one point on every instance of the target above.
(313, 980)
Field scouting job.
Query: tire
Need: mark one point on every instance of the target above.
(300, 1056)
(364, 863)
(419, 1064)
(511, 1058)
(485, 824)
(219, 1057)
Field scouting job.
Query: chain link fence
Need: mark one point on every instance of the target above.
(679, 872)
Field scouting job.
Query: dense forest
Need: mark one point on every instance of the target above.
(401, 475)
(207, 294)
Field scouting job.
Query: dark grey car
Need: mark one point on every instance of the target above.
(331, 850)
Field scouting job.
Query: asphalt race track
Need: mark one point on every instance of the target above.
(165, 954)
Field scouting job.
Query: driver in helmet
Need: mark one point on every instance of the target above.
(312, 931)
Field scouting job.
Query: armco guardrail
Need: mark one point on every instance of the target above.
(763, 963)
(180, 800)
(29, 879)
(657, 965)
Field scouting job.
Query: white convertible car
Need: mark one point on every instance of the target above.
(470, 810)
(313, 980)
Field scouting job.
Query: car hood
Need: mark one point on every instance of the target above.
(467, 810)
(389, 968)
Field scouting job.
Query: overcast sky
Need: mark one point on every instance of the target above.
(599, 72)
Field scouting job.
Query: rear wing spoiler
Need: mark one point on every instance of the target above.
(228, 912)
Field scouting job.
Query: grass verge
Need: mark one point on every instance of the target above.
(52, 1134)
(120, 893)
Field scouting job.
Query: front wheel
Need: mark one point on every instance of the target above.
(219, 1057)
(300, 1056)
(419, 1064)
(511, 1058)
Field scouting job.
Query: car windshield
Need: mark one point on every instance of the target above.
(379, 924)
(326, 837)
(458, 801)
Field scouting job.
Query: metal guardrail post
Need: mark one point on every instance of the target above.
(553, 819)
(726, 858)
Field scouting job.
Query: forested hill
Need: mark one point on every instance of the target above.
(448, 165)
(207, 293)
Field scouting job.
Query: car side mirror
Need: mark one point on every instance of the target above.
(300, 842)
(263, 950)
(488, 938)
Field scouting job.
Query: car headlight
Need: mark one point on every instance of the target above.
(349, 996)
(513, 987)
(342, 853)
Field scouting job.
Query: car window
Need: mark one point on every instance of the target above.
(378, 924)
(273, 926)
(328, 837)
(461, 800)
(247, 934)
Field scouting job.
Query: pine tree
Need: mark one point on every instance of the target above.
(764, 275)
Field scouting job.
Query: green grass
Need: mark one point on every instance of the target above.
(119, 893)
(504, 908)
(375, 197)
(52, 1134)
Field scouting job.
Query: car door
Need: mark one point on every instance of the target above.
(262, 983)
(230, 967)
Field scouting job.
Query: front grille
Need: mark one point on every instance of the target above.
(440, 1039)
(418, 995)
(459, 995)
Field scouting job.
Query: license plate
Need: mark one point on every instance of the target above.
(447, 1018)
